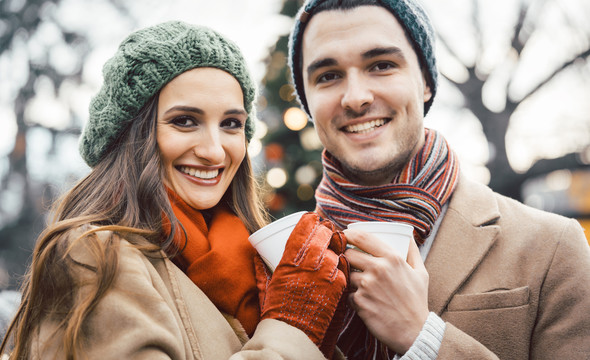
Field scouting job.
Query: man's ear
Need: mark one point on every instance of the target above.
(427, 90)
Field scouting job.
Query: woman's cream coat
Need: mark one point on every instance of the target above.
(154, 311)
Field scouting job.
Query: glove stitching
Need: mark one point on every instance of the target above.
(303, 250)
(334, 274)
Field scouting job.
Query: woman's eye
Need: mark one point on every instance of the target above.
(183, 121)
(232, 124)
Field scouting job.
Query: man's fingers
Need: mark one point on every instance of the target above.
(370, 244)
(414, 258)
(357, 260)
(354, 280)
(365, 241)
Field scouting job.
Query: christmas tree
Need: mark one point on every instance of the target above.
(291, 150)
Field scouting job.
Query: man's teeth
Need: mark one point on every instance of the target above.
(365, 127)
(202, 174)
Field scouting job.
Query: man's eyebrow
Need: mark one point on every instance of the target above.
(393, 50)
(320, 64)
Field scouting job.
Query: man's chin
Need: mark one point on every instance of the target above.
(371, 174)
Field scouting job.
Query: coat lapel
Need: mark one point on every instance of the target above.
(466, 234)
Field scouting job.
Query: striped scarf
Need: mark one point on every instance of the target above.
(415, 196)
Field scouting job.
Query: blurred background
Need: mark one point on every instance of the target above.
(514, 101)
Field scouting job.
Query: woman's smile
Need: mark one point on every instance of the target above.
(202, 176)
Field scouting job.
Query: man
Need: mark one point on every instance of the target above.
(499, 280)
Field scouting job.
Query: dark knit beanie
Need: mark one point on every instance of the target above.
(409, 13)
(146, 61)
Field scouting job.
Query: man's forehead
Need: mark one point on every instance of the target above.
(352, 33)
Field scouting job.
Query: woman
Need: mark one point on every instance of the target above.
(148, 256)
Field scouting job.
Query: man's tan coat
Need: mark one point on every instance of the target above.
(511, 282)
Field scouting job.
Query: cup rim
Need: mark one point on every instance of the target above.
(402, 227)
(264, 232)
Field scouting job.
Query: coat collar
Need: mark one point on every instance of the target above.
(466, 234)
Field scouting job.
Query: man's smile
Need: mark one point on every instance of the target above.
(365, 127)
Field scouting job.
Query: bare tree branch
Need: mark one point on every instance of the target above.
(477, 27)
(454, 55)
(516, 43)
(582, 55)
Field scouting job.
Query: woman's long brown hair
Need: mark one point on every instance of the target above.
(123, 193)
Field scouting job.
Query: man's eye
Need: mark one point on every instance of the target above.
(327, 77)
(383, 66)
(232, 124)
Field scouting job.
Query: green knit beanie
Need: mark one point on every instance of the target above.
(146, 61)
(409, 13)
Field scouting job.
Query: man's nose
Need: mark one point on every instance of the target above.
(358, 93)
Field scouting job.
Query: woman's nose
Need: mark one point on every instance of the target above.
(209, 147)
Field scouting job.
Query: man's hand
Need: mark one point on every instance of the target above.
(389, 294)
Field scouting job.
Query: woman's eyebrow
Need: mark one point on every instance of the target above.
(202, 112)
(185, 108)
(236, 112)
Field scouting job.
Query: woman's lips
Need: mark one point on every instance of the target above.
(207, 177)
(201, 174)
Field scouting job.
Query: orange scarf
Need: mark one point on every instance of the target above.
(218, 259)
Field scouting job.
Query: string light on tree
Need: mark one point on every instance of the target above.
(305, 192)
(309, 139)
(254, 147)
(295, 119)
(261, 129)
(305, 175)
(276, 177)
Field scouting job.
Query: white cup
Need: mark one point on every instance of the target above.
(395, 234)
(270, 240)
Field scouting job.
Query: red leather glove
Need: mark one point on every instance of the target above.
(343, 312)
(308, 283)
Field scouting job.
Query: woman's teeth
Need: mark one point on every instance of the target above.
(202, 174)
(365, 127)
